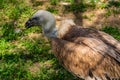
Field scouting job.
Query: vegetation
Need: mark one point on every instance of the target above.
(115, 32)
(25, 54)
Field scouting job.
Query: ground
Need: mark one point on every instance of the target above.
(25, 54)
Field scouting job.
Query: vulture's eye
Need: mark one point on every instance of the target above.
(35, 18)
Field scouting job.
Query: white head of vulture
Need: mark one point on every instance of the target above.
(86, 53)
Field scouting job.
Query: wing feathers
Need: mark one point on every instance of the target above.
(96, 40)
(102, 48)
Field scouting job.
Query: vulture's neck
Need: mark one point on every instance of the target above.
(58, 32)
(50, 30)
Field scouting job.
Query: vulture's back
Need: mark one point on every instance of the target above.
(88, 53)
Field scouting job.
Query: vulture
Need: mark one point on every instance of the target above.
(85, 52)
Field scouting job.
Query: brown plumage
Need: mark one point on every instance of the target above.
(83, 51)
(86, 53)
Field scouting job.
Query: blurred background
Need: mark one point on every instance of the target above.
(25, 54)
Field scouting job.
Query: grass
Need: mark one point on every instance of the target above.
(26, 54)
(52, 10)
(114, 31)
(23, 57)
(53, 2)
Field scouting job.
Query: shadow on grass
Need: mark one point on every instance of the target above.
(109, 17)
(8, 31)
(16, 66)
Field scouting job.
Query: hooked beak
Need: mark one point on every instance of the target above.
(29, 23)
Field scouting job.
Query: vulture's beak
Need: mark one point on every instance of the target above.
(29, 23)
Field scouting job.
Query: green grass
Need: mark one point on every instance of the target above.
(53, 2)
(52, 10)
(114, 31)
(23, 56)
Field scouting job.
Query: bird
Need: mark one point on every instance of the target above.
(86, 53)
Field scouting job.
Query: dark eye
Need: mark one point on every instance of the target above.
(35, 18)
